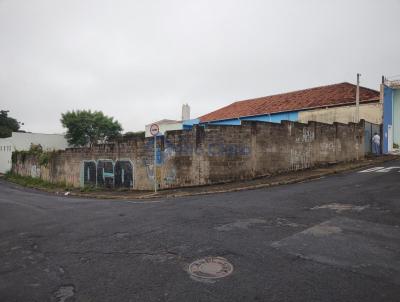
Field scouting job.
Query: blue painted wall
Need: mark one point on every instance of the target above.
(396, 116)
(226, 122)
(387, 115)
(273, 118)
(188, 124)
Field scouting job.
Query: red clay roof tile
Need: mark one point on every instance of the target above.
(324, 96)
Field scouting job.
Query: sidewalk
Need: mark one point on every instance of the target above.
(274, 180)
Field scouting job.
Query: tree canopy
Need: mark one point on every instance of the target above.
(7, 124)
(86, 128)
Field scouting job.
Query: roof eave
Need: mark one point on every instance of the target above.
(299, 109)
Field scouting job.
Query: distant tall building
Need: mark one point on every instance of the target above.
(185, 112)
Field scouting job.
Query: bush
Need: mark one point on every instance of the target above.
(43, 157)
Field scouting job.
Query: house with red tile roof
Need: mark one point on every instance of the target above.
(331, 103)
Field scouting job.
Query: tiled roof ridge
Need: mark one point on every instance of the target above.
(338, 94)
(302, 90)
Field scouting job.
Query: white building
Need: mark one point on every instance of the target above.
(6, 149)
(165, 125)
(169, 125)
(21, 141)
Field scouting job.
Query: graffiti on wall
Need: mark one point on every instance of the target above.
(90, 173)
(229, 150)
(35, 171)
(107, 173)
(162, 156)
(300, 159)
(308, 136)
(167, 150)
(123, 173)
(327, 148)
(185, 147)
(170, 176)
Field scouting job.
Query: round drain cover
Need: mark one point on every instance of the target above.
(211, 268)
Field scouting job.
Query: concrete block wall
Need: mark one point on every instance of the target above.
(203, 155)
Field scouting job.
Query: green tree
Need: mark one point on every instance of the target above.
(86, 128)
(7, 124)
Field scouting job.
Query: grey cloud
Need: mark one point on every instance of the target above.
(140, 60)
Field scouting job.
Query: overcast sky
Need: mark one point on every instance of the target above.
(139, 61)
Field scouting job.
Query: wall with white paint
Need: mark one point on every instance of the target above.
(372, 113)
(22, 141)
(164, 127)
(6, 149)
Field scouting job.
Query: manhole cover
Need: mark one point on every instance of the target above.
(211, 268)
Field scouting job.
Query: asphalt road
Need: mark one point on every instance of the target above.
(331, 239)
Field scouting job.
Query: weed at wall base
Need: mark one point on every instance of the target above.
(31, 182)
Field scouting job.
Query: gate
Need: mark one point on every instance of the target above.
(369, 130)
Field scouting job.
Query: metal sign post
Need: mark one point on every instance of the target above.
(154, 130)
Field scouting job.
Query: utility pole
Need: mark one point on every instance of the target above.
(357, 119)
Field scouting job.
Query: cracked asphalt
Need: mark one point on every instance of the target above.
(331, 239)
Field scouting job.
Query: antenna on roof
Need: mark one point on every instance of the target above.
(358, 98)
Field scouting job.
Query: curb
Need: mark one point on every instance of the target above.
(166, 193)
(243, 188)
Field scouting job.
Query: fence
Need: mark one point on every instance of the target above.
(369, 130)
(201, 156)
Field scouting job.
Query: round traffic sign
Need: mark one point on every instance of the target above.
(154, 129)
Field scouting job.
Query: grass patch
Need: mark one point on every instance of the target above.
(31, 182)
(88, 189)
(37, 183)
